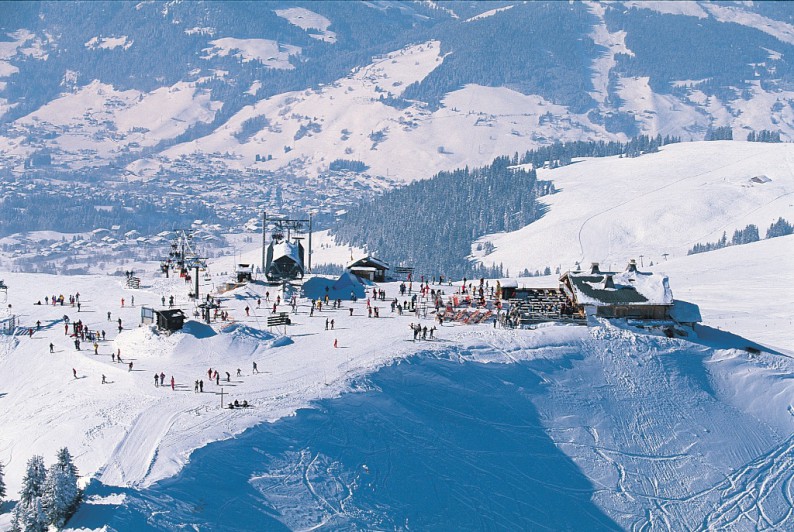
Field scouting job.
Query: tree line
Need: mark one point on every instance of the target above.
(745, 236)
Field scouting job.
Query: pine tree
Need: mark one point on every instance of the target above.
(2, 485)
(28, 514)
(61, 494)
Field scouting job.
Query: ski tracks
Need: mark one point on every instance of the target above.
(757, 495)
(133, 458)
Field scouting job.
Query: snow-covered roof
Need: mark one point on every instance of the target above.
(625, 288)
(286, 249)
(368, 261)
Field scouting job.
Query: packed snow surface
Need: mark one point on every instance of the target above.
(676, 430)
(610, 210)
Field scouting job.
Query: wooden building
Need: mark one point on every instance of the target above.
(369, 268)
(171, 319)
(627, 294)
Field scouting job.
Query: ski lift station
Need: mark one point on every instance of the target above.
(284, 257)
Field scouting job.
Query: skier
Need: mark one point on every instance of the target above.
(52, 347)
(173, 383)
(103, 379)
(109, 316)
(122, 302)
(327, 322)
(336, 343)
(38, 325)
(247, 310)
(209, 374)
(201, 386)
(228, 377)
(195, 387)
(74, 372)
(255, 368)
(156, 380)
(162, 378)
(129, 367)
(239, 373)
(132, 302)
(217, 379)
(78, 306)
(332, 325)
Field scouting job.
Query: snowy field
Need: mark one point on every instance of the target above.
(608, 209)
(673, 433)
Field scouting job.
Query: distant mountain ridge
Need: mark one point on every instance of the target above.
(138, 89)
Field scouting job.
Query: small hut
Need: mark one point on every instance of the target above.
(369, 268)
(171, 319)
(244, 273)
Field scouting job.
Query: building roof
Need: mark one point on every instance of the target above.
(169, 313)
(368, 261)
(626, 288)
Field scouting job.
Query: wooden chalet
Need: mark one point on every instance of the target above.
(369, 268)
(627, 294)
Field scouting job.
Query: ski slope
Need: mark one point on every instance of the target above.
(609, 210)
(673, 432)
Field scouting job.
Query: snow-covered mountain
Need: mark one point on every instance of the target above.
(661, 204)
(407, 88)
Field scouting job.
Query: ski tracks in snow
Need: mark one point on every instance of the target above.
(134, 457)
(758, 495)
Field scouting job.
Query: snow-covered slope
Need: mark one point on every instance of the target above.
(743, 289)
(645, 417)
(613, 209)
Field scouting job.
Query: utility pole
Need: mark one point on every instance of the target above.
(264, 233)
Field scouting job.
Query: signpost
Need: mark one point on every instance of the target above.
(276, 320)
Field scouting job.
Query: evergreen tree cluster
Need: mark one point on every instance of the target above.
(48, 497)
(764, 136)
(719, 133)
(668, 48)
(250, 127)
(561, 153)
(544, 58)
(745, 236)
(340, 165)
(779, 228)
(430, 224)
(2, 485)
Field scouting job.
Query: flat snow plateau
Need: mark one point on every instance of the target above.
(673, 433)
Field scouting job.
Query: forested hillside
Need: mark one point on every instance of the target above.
(430, 224)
